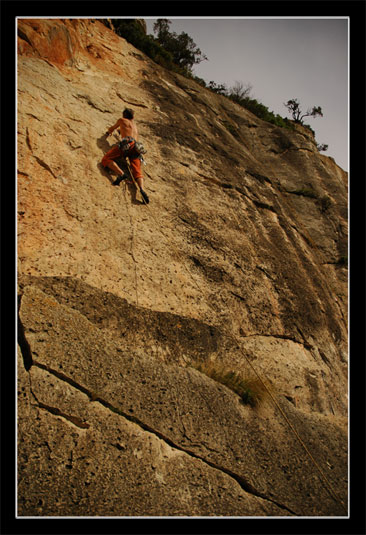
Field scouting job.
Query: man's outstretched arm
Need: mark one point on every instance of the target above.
(112, 128)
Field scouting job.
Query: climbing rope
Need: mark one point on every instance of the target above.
(132, 244)
(323, 477)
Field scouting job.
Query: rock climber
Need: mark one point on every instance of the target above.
(128, 147)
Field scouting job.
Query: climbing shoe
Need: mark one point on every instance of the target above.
(119, 179)
(144, 196)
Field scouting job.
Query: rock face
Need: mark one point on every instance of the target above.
(239, 260)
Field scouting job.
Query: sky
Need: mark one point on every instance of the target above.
(282, 59)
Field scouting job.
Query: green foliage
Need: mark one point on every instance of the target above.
(322, 147)
(182, 48)
(250, 389)
(293, 107)
(261, 111)
(133, 32)
(179, 53)
(218, 89)
(239, 91)
(240, 94)
(200, 81)
(174, 52)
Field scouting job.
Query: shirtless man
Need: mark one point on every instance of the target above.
(127, 129)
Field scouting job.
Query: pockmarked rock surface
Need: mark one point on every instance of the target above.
(240, 259)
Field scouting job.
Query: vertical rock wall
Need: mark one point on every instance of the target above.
(239, 260)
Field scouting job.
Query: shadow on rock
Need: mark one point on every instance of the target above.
(106, 172)
(126, 184)
(132, 190)
(103, 144)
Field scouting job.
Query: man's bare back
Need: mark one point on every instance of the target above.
(127, 128)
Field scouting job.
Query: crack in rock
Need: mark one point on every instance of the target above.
(258, 176)
(44, 165)
(78, 422)
(247, 487)
(91, 103)
(75, 420)
(228, 186)
(264, 205)
(23, 342)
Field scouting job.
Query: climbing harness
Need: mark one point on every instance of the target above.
(132, 148)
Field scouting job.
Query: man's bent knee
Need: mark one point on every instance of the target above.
(105, 161)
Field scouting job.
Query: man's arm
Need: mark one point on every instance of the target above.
(112, 128)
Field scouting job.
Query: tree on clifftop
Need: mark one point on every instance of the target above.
(182, 47)
(133, 31)
(293, 106)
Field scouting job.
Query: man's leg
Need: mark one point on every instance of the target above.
(140, 182)
(137, 174)
(121, 175)
(114, 167)
(108, 161)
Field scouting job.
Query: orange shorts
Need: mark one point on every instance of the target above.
(115, 152)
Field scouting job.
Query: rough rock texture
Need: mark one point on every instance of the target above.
(240, 259)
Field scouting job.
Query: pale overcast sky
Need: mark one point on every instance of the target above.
(284, 58)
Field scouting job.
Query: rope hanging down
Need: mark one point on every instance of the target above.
(323, 476)
(131, 248)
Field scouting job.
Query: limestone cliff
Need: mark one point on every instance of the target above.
(238, 260)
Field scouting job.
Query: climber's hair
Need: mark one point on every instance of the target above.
(128, 113)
